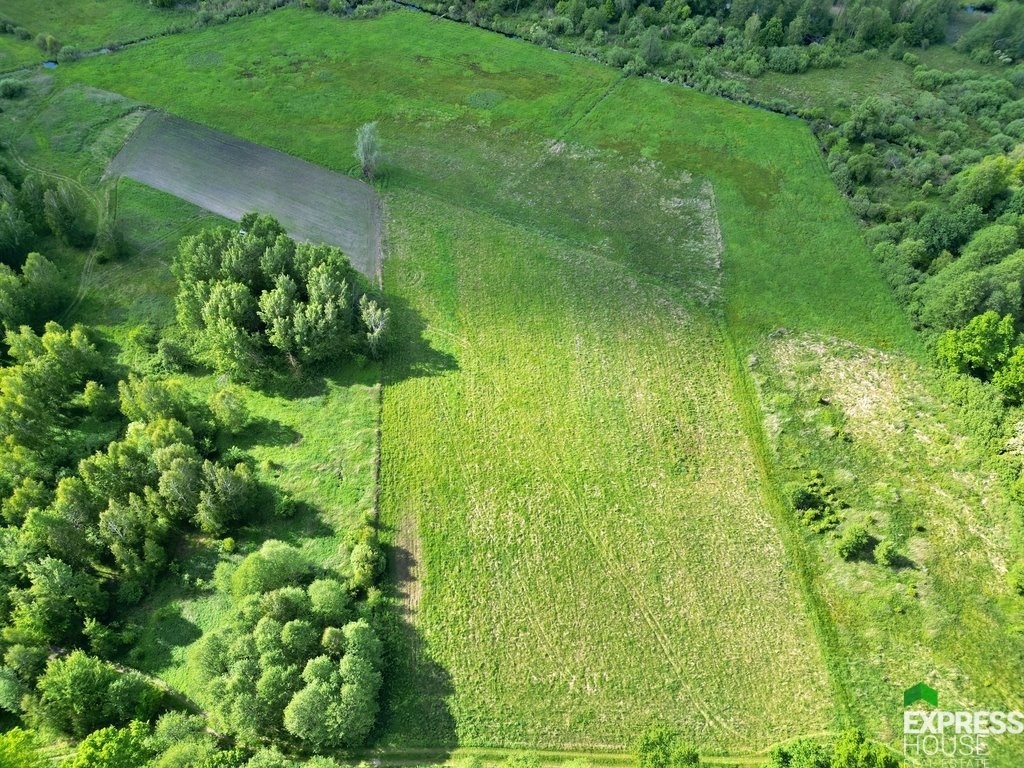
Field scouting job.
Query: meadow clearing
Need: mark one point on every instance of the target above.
(573, 455)
(84, 24)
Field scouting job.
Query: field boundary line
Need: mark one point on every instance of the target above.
(747, 400)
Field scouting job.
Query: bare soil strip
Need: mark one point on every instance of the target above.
(231, 177)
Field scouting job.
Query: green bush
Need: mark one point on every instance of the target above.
(885, 553)
(1015, 577)
(662, 747)
(854, 541)
(79, 694)
(67, 215)
(11, 89)
(979, 348)
(272, 566)
(817, 503)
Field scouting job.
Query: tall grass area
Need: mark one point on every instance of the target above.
(16, 53)
(573, 458)
(593, 535)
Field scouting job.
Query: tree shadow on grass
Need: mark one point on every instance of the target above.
(303, 524)
(265, 432)
(417, 688)
(165, 630)
(410, 354)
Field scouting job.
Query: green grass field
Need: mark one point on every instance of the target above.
(91, 23)
(582, 500)
(16, 53)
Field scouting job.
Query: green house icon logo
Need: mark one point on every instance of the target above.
(920, 692)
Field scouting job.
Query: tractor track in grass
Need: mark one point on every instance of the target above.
(553, 758)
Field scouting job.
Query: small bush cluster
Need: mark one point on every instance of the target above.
(818, 504)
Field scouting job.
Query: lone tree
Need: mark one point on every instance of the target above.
(368, 149)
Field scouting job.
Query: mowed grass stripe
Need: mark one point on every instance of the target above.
(230, 176)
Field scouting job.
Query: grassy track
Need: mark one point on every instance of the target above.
(565, 461)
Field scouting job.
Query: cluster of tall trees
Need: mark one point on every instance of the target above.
(173, 740)
(34, 206)
(851, 750)
(250, 295)
(87, 528)
(300, 662)
(701, 41)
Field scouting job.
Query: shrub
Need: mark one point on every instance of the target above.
(67, 216)
(979, 348)
(854, 541)
(1009, 379)
(885, 553)
(80, 694)
(817, 502)
(16, 234)
(618, 57)
(11, 89)
(229, 410)
(48, 44)
(787, 60)
(109, 240)
(661, 747)
(273, 565)
(68, 53)
(1015, 577)
(330, 601)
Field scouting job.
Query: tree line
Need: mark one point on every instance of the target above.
(106, 471)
